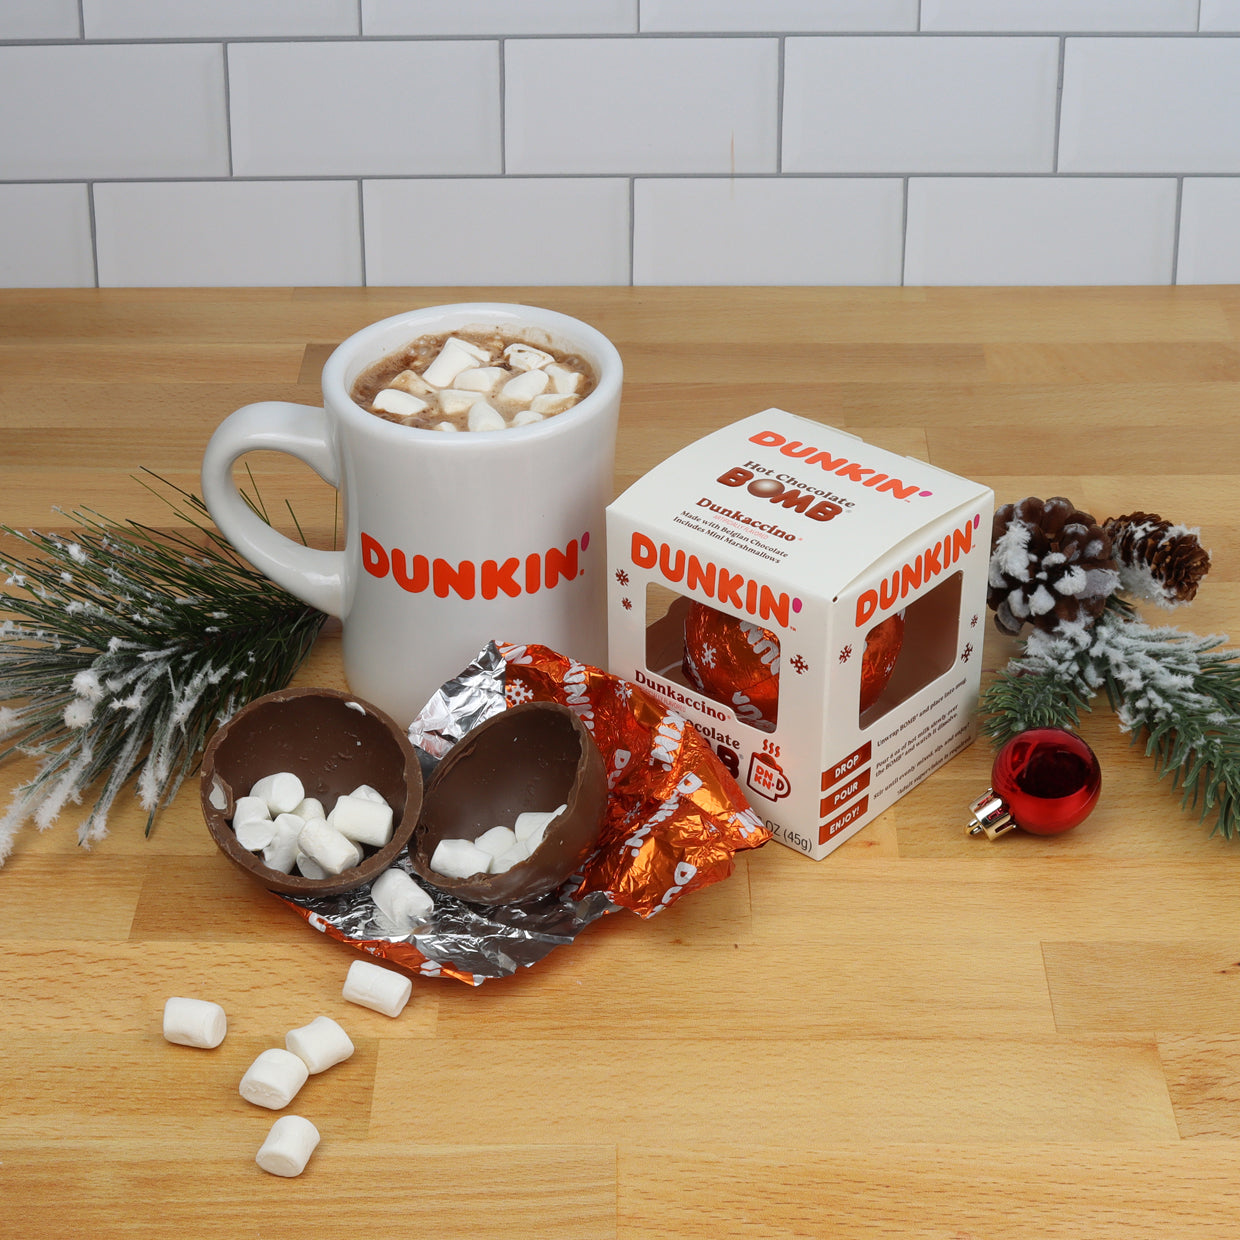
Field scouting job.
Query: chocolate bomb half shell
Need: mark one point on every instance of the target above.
(333, 742)
(535, 756)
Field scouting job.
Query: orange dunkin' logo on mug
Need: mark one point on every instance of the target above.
(466, 579)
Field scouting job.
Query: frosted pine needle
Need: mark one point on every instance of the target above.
(1177, 692)
(122, 648)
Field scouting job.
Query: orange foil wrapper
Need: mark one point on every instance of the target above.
(675, 817)
(735, 662)
(882, 648)
(674, 822)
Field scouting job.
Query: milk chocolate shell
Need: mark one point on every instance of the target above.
(535, 756)
(333, 742)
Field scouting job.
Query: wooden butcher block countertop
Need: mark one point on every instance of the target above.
(924, 1035)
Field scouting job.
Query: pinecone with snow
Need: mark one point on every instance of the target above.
(1051, 565)
(1157, 561)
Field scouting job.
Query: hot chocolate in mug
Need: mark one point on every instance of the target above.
(450, 539)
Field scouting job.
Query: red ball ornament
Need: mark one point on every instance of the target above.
(882, 649)
(735, 662)
(1044, 781)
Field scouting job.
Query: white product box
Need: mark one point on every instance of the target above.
(807, 538)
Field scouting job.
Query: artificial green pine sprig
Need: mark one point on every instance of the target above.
(1178, 692)
(124, 646)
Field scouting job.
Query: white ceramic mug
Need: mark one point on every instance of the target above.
(450, 540)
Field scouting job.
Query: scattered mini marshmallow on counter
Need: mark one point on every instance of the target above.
(274, 1078)
(288, 1146)
(483, 417)
(282, 791)
(381, 990)
(194, 1022)
(401, 901)
(526, 357)
(362, 820)
(333, 851)
(319, 1045)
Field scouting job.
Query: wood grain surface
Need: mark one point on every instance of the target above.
(924, 1035)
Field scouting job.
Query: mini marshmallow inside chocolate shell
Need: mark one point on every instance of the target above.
(333, 742)
(535, 756)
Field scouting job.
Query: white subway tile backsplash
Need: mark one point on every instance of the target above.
(509, 230)
(112, 110)
(1061, 16)
(1220, 15)
(1151, 105)
(499, 17)
(717, 16)
(39, 19)
(223, 233)
(1209, 236)
(641, 105)
(45, 237)
(1039, 230)
(215, 19)
(906, 104)
(765, 230)
(365, 109)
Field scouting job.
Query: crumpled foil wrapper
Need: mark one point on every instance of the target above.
(675, 820)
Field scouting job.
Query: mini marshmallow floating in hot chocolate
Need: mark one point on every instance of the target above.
(467, 386)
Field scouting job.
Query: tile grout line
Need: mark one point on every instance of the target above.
(94, 229)
(228, 138)
(361, 231)
(632, 231)
(503, 106)
(1175, 232)
(1063, 49)
(779, 106)
(904, 235)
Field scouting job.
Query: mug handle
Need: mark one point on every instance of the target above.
(315, 577)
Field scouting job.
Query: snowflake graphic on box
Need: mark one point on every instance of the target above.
(967, 653)
(798, 664)
(845, 654)
(622, 577)
(627, 604)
